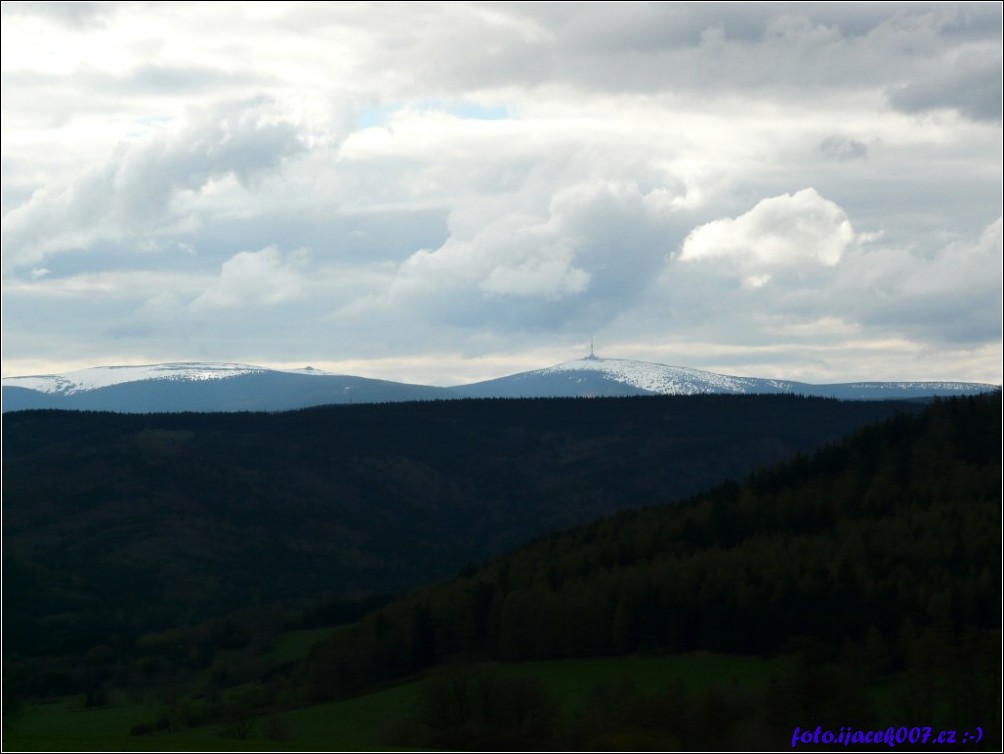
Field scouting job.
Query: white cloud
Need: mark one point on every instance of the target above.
(782, 232)
(498, 180)
(132, 195)
(596, 248)
(551, 277)
(252, 279)
(941, 305)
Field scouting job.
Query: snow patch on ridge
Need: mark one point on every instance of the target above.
(98, 377)
(660, 378)
(947, 386)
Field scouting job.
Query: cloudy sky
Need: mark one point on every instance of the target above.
(440, 193)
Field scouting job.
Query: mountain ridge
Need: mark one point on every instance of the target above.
(345, 501)
(233, 386)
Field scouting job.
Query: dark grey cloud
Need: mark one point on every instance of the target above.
(971, 85)
(161, 79)
(77, 15)
(654, 26)
(952, 296)
(56, 98)
(842, 149)
(644, 27)
(336, 234)
(696, 47)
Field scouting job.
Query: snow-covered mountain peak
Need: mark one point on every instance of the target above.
(98, 377)
(654, 378)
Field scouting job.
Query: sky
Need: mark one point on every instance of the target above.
(445, 192)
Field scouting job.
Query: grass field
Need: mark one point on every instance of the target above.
(353, 724)
(572, 682)
(295, 645)
(363, 722)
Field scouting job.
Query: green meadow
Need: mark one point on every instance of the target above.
(367, 721)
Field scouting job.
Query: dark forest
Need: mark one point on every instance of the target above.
(865, 569)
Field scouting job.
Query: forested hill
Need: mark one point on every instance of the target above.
(118, 523)
(882, 551)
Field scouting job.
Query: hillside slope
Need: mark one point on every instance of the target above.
(158, 520)
(882, 550)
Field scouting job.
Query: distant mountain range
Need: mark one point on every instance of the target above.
(208, 386)
(193, 386)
